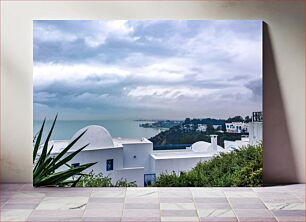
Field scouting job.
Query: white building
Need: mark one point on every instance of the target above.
(255, 133)
(133, 159)
(202, 127)
(255, 129)
(236, 127)
(237, 144)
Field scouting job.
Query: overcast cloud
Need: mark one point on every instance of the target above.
(155, 69)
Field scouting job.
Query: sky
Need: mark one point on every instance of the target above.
(146, 69)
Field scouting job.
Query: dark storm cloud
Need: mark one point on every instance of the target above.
(133, 68)
(256, 87)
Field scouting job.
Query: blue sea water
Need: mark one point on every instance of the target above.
(65, 129)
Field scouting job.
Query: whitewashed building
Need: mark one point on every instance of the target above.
(255, 132)
(202, 127)
(133, 159)
(236, 127)
(255, 137)
(237, 144)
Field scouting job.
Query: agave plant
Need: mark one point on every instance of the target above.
(45, 165)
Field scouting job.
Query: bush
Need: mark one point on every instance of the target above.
(238, 168)
(250, 175)
(92, 180)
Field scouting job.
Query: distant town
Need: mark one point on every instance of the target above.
(161, 124)
(190, 130)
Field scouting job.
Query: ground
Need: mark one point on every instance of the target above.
(22, 202)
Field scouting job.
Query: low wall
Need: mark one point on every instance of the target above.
(176, 165)
(130, 174)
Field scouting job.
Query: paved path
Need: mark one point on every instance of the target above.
(22, 202)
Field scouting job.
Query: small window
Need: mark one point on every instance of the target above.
(109, 165)
(75, 164)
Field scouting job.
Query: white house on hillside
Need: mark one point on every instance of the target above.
(255, 129)
(237, 144)
(236, 127)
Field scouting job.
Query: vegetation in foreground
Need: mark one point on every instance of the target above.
(92, 180)
(45, 165)
(242, 168)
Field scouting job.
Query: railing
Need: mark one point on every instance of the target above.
(171, 146)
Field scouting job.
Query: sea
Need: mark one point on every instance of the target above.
(65, 129)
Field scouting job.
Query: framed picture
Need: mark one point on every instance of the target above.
(148, 103)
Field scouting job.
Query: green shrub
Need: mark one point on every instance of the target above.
(238, 168)
(250, 175)
(46, 166)
(98, 180)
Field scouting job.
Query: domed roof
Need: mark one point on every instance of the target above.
(201, 146)
(97, 137)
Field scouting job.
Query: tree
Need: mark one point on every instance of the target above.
(235, 119)
(187, 121)
(247, 119)
(210, 129)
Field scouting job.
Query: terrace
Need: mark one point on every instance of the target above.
(22, 202)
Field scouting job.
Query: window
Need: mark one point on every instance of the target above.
(109, 165)
(149, 179)
(75, 164)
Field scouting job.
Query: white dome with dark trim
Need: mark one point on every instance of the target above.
(97, 136)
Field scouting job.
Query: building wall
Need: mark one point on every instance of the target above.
(130, 174)
(255, 132)
(236, 127)
(176, 165)
(284, 72)
(141, 151)
(152, 165)
(235, 144)
(230, 144)
(100, 156)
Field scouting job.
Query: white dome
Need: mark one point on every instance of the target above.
(97, 137)
(201, 146)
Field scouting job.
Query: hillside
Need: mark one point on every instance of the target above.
(188, 132)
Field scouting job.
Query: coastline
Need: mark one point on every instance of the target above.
(65, 129)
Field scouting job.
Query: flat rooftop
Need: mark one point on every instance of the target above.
(59, 145)
(120, 140)
(179, 154)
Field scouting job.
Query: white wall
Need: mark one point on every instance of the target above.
(235, 144)
(284, 67)
(230, 144)
(100, 156)
(176, 165)
(130, 174)
(255, 132)
(142, 152)
(152, 165)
